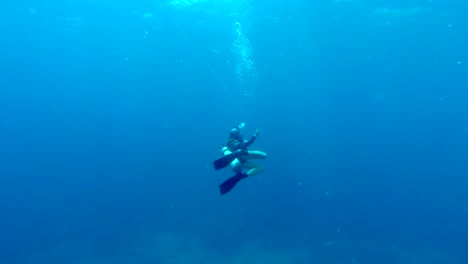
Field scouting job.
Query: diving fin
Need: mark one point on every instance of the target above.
(227, 186)
(226, 160)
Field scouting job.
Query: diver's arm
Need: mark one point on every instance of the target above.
(252, 139)
(248, 143)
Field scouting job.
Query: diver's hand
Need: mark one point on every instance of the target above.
(257, 132)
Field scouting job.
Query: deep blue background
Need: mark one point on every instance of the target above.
(107, 134)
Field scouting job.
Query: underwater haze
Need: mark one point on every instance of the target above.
(112, 113)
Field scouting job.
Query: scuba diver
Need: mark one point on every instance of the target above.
(236, 154)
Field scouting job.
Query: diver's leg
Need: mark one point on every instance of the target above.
(256, 154)
(236, 166)
(253, 168)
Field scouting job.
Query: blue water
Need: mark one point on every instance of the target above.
(111, 114)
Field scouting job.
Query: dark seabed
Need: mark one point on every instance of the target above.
(111, 114)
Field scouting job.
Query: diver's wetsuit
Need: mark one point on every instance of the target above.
(235, 143)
